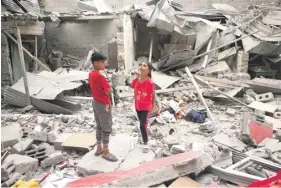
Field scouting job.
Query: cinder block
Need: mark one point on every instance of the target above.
(277, 115)
(266, 97)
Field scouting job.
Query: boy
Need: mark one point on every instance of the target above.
(101, 91)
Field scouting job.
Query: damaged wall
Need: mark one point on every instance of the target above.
(60, 6)
(76, 38)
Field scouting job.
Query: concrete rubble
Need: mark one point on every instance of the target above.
(217, 118)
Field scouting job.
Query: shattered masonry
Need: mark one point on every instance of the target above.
(217, 74)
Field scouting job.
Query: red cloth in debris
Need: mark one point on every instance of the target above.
(274, 181)
(99, 87)
(143, 94)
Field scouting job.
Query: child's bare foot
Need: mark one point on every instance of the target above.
(109, 156)
(99, 150)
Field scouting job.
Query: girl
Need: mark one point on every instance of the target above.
(144, 97)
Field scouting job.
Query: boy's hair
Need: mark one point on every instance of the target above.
(97, 56)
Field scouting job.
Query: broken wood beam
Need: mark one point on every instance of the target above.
(199, 94)
(27, 52)
(36, 54)
(22, 64)
(150, 49)
(205, 83)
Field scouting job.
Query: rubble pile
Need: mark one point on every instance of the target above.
(217, 119)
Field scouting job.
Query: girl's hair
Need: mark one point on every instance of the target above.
(150, 68)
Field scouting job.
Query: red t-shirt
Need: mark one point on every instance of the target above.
(143, 94)
(99, 87)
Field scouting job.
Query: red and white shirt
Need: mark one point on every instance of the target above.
(144, 92)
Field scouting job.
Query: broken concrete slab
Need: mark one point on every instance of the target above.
(229, 141)
(11, 135)
(219, 67)
(184, 182)
(80, 141)
(135, 158)
(162, 80)
(6, 170)
(23, 163)
(60, 139)
(53, 159)
(230, 111)
(262, 85)
(150, 173)
(22, 146)
(91, 164)
(263, 107)
(13, 179)
(273, 147)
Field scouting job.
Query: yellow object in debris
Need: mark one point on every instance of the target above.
(25, 184)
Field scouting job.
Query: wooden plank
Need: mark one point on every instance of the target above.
(22, 63)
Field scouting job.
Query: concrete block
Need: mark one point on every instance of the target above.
(51, 137)
(265, 97)
(150, 173)
(39, 136)
(13, 179)
(53, 159)
(176, 149)
(6, 170)
(23, 163)
(22, 146)
(60, 139)
(277, 115)
(11, 135)
(230, 111)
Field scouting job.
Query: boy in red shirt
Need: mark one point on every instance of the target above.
(144, 97)
(101, 91)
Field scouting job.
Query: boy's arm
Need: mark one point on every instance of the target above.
(106, 87)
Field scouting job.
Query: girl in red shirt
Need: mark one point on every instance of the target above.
(144, 97)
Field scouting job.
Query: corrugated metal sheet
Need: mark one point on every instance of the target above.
(16, 98)
(10, 5)
(43, 87)
(64, 75)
